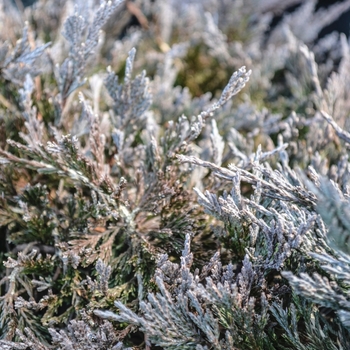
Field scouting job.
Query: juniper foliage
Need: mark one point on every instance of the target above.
(157, 194)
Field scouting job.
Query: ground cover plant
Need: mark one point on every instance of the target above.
(174, 175)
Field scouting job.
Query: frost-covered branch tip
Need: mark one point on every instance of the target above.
(235, 85)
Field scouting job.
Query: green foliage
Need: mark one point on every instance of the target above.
(144, 183)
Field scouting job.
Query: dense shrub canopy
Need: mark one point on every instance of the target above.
(178, 184)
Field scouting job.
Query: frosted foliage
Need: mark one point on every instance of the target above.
(174, 175)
